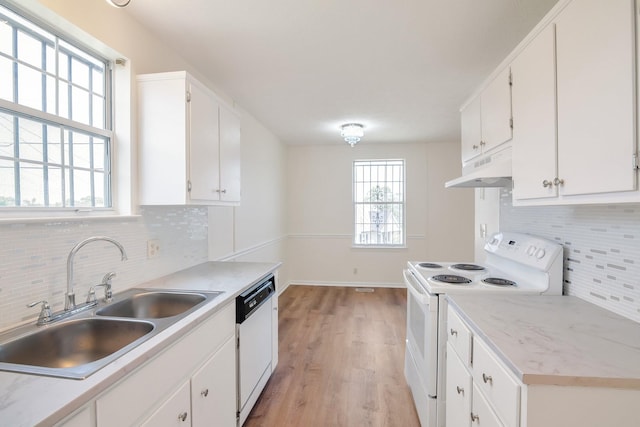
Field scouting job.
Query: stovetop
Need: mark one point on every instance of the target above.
(453, 277)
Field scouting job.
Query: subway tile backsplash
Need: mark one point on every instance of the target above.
(601, 248)
(33, 255)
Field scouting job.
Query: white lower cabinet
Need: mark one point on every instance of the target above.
(483, 392)
(83, 417)
(203, 355)
(213, 389)
(174, 412)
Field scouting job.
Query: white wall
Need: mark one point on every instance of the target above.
(33, 254)
(439, 221)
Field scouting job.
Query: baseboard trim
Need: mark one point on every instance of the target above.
(344, 284)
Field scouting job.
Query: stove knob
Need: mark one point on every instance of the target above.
(531, 250)
(540, 253)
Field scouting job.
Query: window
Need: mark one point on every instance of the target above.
(378, 199)
(55, 120)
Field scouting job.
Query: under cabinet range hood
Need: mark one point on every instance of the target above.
(491, 170)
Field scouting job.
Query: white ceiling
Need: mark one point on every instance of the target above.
(304, 67)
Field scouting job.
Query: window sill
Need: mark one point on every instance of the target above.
(378, 246)
(66, 217)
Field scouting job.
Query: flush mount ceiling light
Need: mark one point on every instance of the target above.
(119, 3)
(352, 132)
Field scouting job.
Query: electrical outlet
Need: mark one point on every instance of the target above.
(153, 248)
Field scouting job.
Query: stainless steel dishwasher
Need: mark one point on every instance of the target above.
(253, 331)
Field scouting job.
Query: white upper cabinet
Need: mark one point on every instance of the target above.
(534, 113)
(486, 120)
(574, 107)
(471, 130)
(189, 143)
(495, 105)
(596, 97)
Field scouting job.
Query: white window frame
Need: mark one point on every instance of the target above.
(118, 114)
(359, 239)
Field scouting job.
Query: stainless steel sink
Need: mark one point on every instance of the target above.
(153, 305)
(78, 347)
(72, 346)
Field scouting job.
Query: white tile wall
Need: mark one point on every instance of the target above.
(602, 248)
(33, 256)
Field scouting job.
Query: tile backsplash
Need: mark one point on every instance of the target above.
(601, 248)
(33, 255)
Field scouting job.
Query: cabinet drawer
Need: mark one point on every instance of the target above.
(459, 336)
(458, 387)
(481, 412)
(499, 386)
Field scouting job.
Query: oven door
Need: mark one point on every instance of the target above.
(421, 359)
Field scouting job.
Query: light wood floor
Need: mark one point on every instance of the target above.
(341, 361)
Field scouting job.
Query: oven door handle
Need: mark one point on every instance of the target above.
(417, 291)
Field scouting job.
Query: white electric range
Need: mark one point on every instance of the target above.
(515, 263)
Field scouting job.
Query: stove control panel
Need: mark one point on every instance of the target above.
(524, 248)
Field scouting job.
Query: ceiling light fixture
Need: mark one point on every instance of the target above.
(352, 132)
(119, 3)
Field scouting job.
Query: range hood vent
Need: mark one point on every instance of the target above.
(489, 171)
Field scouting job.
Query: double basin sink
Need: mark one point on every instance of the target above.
(84, 343)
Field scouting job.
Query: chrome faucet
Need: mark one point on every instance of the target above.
(70, 297)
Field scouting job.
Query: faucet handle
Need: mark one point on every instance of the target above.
(107, 278)
(45, 312)
(91, 296)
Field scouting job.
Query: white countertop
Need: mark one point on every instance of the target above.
(556, 340)
(30, 400)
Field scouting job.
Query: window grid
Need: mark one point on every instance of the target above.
(66, 111)
(378, 202)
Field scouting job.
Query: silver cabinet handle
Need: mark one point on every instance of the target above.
(475, 147)
(453, 332)
(487, 378)
(221, 191)
(546, 183)
(482, 143)
(205, 392)
(474, 418)
(557, 181)
(183, 417)
(460, 390)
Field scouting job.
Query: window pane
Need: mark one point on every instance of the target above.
(29, 50)
(98, 81)
(99, 179)
(7, 183)
(80, 105)
(63, 66)
(6, 135)
(79, 73)
(50, 95)
(31, 185)
(50, 64)
(99, 154)
(55, 186)
(54, 145)
(81, 188)
(63, 100)
(6, 39)
(29, 87)
(30, 140)
(6, 76)
(98, 112)
(81, 150)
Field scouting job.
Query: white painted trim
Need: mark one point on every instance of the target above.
(250, 249)
(345, 284)
(343, 236)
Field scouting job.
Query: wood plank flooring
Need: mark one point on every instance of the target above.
(341, 361)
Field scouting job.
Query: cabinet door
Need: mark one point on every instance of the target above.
(471, 127)
(534, 119)
(458, 391)
(204, 156)
(82, 418)
(274, 334)
(596, 95)
(229, 156)
(174, 412)
(481, 413)
(495, 105)
(213, 389)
